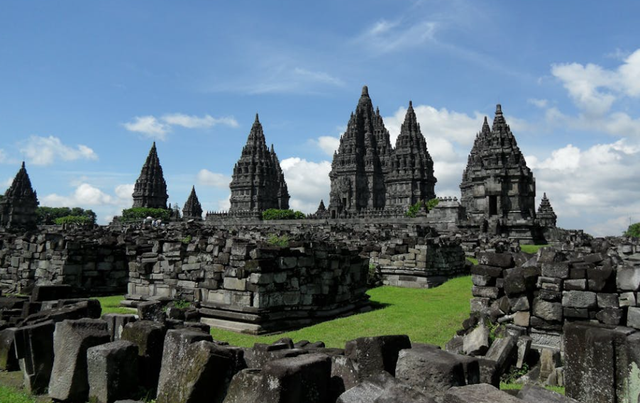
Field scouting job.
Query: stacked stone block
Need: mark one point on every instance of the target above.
(537, 295)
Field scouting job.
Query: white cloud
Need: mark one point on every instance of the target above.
(88, 196)
(328, 144)
(591, 188)
(224, 204)
(157, 129)
(308, 183)
(194, 122)
(208, 178)
(438, 123)
(45, 150)
(540, 103)
(594, 89)
(149, 126)
(390, 36)
(317, 76)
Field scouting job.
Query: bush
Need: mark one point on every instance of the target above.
(414, 209)
(276, 214)
(633, 230)
(51, 214)
(431, 204)
(140, 213)
(281, 241)
(74, 219)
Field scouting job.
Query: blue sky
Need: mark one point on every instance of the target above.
(86, 87)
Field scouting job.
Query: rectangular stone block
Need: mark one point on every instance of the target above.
(579, 299)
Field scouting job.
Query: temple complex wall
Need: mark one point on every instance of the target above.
(537, 295)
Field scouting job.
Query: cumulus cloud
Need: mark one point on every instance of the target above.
(46, 150)
(159, 128)
(106, 205)
(596, 182)
(594, 88)
(540, 103)
(308, 183)
(208, 178)
(328, 144)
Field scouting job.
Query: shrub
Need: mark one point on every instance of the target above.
(140, 213)
(281, 241)
(431, 204)
(414, 209)
(276, 214)
(74, 219)
(633, 230)
(51, 214)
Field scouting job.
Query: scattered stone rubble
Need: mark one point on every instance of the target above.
(89, 359)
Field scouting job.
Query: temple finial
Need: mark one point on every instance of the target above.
(257, 119)
(365, 91)
(498, 109)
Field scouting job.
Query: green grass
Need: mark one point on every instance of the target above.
(473, 260)
(427, 316)
(8, 394)
(531, 248)
(518, 386)
(111, 304)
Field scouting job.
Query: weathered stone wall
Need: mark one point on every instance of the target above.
(538, 294)
(251, 286)
(91, 261)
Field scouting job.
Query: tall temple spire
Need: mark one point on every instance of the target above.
(411, 178)
(362, 159)
(19, 204)
(497, 181)
(192, 208)
(150, 189)
(258, 181)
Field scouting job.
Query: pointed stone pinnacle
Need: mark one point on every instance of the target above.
(257, 119)
(410, 104)
(365, 91)
(498, 109)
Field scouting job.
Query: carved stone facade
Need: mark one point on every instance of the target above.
(365, 164)
(546, 216)
(151, 189)
(411, 177)
(258, 182)
(498, 189)
(19, 204)
(192, 208)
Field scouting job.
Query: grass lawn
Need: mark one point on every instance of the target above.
(427, 316)
(518, 386)
(111, 304)
(531, 248)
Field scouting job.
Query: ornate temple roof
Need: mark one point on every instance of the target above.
(192, 207)
(150, 189)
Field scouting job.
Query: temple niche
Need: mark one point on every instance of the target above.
(150, 189)
(498, 190)
(411, 178)
(19, 204)
(258, 182)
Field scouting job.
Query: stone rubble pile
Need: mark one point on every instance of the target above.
(132, 357)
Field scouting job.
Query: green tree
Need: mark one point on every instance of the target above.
(633, 230)
(276, 214)
(140, 213)
(51, 214)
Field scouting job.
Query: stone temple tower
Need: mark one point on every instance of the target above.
(546, 216)
(497, 184)
(192, 207)
(258, 181)
(410, 179)
(361, 162)
(19, 204)
(151, 189)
